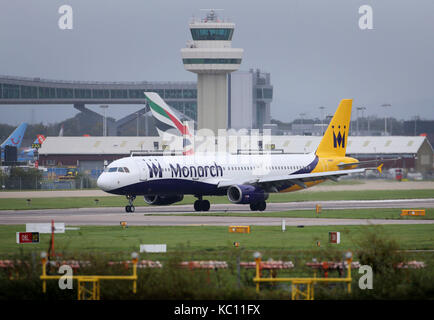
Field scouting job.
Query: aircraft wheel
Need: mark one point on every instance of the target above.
(262, 205)
(254, 206)
(127, 208)
(197, 205)
(132, 209)
(205, 205)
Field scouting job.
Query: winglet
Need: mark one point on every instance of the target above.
(380, 168)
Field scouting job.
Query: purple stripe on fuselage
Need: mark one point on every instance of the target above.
(170, 186)
(307, 169)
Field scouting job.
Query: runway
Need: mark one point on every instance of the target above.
(164, 216)
(359, 186)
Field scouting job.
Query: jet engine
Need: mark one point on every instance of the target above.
(244, 194)
(161, 200)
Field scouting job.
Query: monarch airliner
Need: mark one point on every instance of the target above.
(244, 179)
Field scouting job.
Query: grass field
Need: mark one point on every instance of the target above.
(377, 213)
(119, 201)
(208, 242)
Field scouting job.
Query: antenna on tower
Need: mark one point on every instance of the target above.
(211, 15)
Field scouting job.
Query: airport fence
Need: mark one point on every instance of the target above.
(36, 183)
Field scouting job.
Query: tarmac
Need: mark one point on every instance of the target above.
(166, 215)
(364, 185)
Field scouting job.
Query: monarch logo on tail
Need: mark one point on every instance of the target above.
(339, 139)
(334, 141)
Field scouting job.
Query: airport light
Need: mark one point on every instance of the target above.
(348, 256)
(257, 255)
(322, 119)
(385, 105)
(359, 109)
(138, 114)
(302, 115)
(134, 256)
(43, 255)
(104, 123)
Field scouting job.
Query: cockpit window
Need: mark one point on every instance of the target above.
(117, 169)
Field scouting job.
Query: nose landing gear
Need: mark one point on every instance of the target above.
(130, 207)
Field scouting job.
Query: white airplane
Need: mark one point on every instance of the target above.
(244, 179)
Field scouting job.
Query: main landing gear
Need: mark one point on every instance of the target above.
(130, 207)
(258, 206)
(201, 205)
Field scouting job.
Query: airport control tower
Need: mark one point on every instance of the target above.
(211, 56)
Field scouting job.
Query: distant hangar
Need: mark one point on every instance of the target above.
(90, 153)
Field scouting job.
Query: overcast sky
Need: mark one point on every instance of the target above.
(315, 51)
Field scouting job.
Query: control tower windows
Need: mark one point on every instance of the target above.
(268, 93)
(211, 61)
(212, 34)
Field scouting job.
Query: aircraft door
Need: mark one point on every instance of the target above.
(142, 169)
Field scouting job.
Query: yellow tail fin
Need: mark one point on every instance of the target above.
(380, 168)
(334, 141)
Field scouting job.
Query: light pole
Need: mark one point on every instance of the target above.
(302, 115)
(302, 123)
(104, 122)
(137, 130)
(358, 109)
(322, 119)
(385, 105)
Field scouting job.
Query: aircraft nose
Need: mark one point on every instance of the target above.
(103, 182)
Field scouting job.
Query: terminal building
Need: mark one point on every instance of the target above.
(250, 92)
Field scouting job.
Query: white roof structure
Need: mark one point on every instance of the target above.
(290, 144)
(356, 144)
(96, 145)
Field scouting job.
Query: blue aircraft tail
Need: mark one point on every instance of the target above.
(16, 137)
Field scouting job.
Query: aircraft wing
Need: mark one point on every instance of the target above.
(367, 162)
(269, 183)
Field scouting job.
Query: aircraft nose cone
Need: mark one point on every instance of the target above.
(103, 182)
